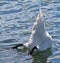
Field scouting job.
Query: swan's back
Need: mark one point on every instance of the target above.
(39, 37)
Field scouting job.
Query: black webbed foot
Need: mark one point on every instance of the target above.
(31, 52)
(17, 45)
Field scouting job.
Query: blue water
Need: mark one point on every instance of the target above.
(16, 20)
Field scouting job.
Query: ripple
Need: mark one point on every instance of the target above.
(16, 20)
(11, 11)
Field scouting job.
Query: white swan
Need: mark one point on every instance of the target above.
(39, 38)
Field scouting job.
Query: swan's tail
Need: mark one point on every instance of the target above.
(40, 13)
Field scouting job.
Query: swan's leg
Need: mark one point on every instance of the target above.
(17, 45)
(31, 52)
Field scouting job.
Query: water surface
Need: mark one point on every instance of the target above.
(16, 20)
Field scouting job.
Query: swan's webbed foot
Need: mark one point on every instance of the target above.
(17, 45)
(31, 52)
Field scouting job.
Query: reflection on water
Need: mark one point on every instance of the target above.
(16, 20)
(41, 57)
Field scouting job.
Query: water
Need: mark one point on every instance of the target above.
(16, 20)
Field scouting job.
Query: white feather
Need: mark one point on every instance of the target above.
(39, 37)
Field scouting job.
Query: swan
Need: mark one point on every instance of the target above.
(40, 39)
